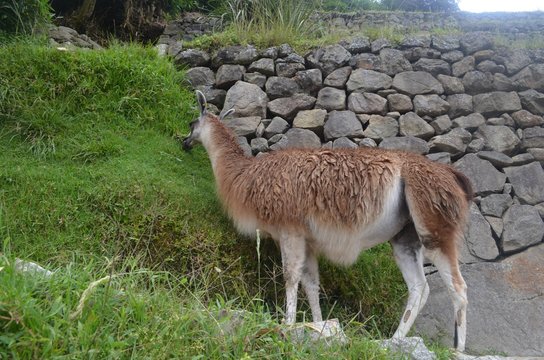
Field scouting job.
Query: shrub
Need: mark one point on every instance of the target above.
(23, 16)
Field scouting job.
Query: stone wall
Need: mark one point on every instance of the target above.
(515, 25)
(454, 99)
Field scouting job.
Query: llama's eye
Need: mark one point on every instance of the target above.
(192, 124)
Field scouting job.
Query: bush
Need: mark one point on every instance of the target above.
(23, 16)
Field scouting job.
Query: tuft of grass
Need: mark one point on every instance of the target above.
(270, 22)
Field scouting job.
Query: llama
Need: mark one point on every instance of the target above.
(337, 203)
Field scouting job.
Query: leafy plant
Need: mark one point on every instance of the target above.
(23, 16)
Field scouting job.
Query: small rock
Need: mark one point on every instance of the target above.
(311, 119)
(279, 87)
(411, 348)
(441, 157)
(368, 81)
(496, 103)
(441, 124)
(287, 108)
(302, 138)
(338, 77)
(525, 119)
(343, 142)
(276, 126)
(498, 138)
(460, 104)
(227, 75)
(400, 103)
(431, 105)
(463, 66)
(417, 82)
(255, 78)
(452, 85)
(499, 160)
(259, 145)
(264, 66)
(470, 122)
(243, 126)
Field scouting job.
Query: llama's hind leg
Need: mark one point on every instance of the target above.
(448, 268)
(408, 253)
(293, 257)
(310, 283)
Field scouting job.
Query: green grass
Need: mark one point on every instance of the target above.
(92, 170)
(137, 313)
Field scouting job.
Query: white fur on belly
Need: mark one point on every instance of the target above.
(343, 246)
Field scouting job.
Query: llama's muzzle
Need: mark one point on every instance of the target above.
(187, 143)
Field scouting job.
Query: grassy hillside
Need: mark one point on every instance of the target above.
(93, 182)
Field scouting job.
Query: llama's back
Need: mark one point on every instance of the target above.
(343, 187)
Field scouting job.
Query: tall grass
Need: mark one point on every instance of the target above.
(273, 22)
(24, 16)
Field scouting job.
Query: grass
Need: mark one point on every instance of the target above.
(92, 170)
(139, 314)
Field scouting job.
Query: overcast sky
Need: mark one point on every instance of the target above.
(501, 5)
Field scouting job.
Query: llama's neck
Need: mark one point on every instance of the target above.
(226, 155)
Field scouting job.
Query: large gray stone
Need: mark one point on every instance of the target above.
(533, 101)
(463, 66)
(479, 243)
(200, 76)
(276, 126)
(247, 99)
(525, 119)
(264, 66)
(342, 123)
(330, 98)
(475, 41)
(356, 45)
(243, 126)
(504, 296)
(406, 143)
(237, 54)
(514, 60)
(496, 103)
(523, 227)
(452, 85)
(445, 42)
(329, 58)
(528, 182)
(533, 137)
(412, 125)
(460, 104)
(531, 77)
(394, 62)
(367, 103)
(380, 127)
(310, 81)
(255, 78)
(302, 138)
(368, 81)
(495, 204)
(441, 124)
(311, 119)
(498, 138)
(416, 41)
(192, 58)
(470, 122)
(278, 87)
(400, 103)
(433, 66)
(476, 82)
(451, 142)
(287, 108)
(484, 177)
(286, 69)
(338, 77)
(499, 160)
(417, 82)
(366, 61)
(227, 75)
(343, 143)
(431, 105)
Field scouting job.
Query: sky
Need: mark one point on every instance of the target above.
(501, 5)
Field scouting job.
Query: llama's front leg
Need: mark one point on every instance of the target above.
(293, 254)
(408, 253)
(310, 283)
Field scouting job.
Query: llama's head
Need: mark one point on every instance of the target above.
(200, 126)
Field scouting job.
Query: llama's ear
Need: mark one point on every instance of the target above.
(226, 113)
(201, 101)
